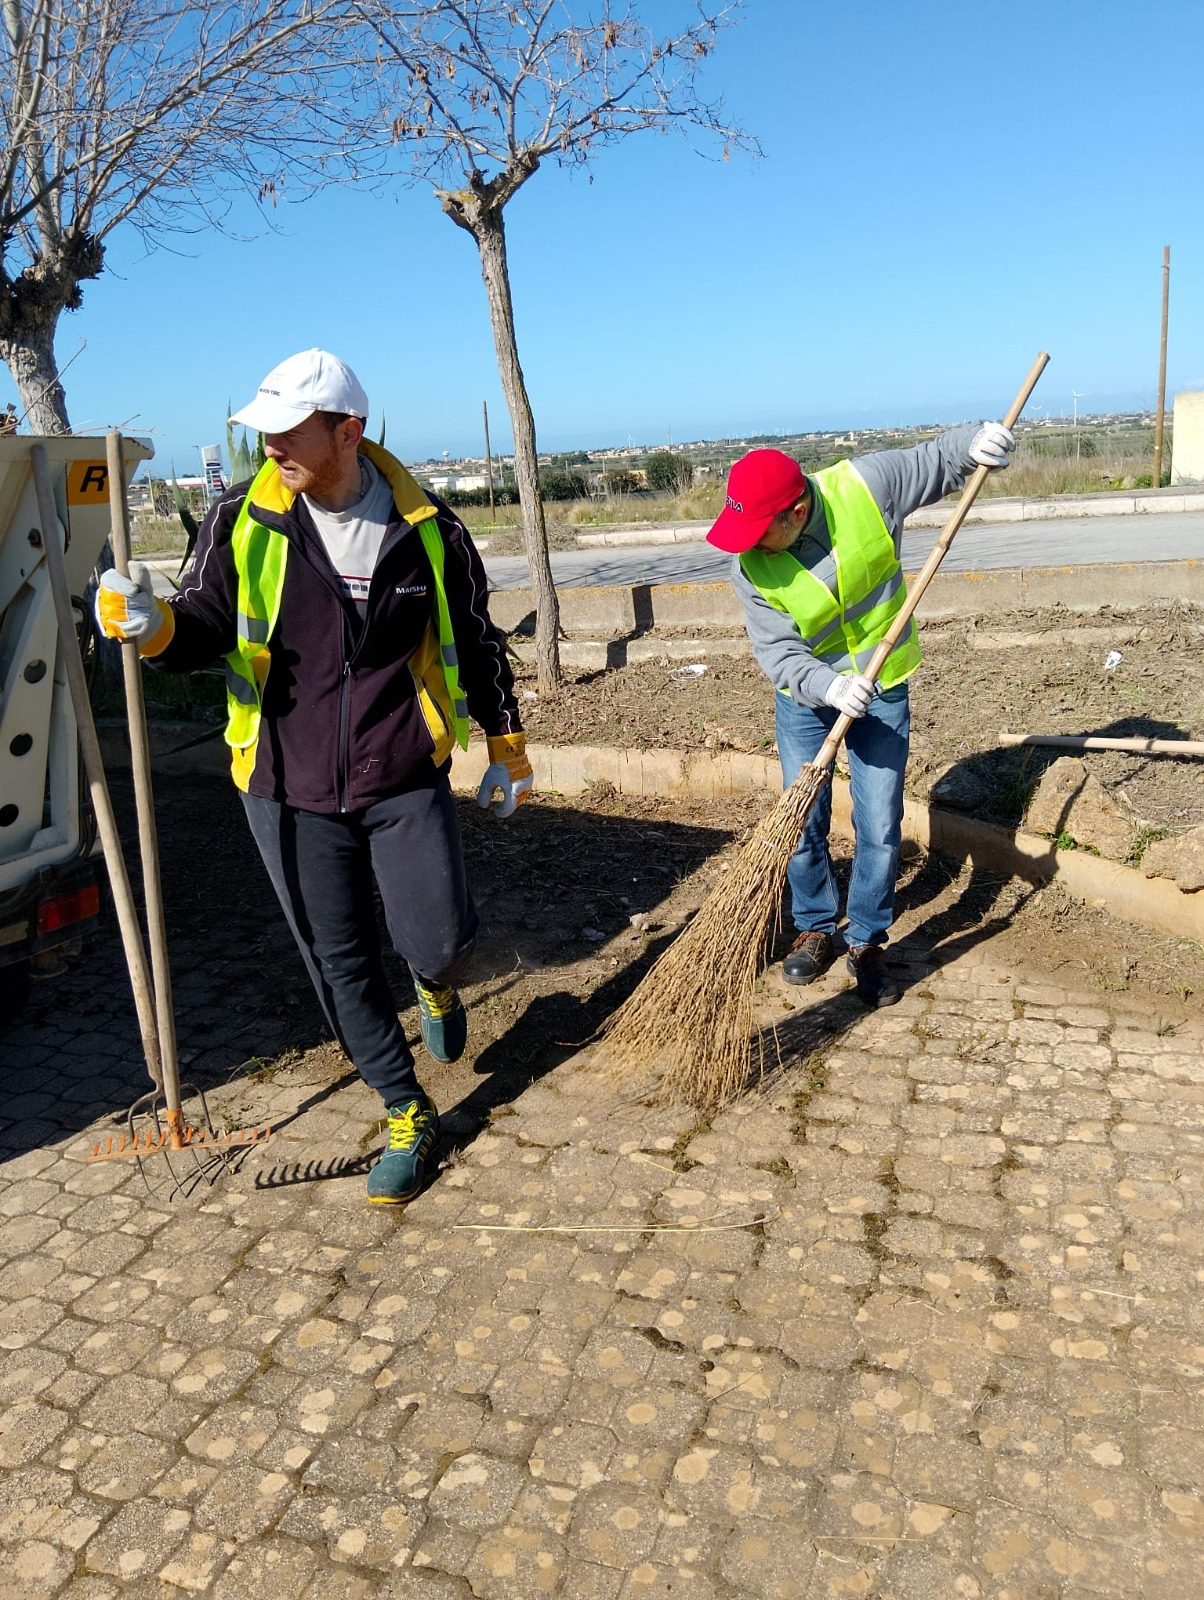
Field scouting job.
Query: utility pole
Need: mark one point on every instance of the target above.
(488, 460)
(1160, 415)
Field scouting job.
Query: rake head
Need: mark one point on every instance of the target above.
(165, 1132)
(166, 1141)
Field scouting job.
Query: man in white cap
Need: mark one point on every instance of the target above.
(352, 613)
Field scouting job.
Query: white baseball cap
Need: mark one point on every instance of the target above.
(312, 381)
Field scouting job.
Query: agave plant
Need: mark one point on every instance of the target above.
(187, 520)
(245, 460)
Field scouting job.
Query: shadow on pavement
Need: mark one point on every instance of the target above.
(242, 998)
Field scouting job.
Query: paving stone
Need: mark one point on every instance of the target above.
(762, 1558)
(243, 1501)
(616, 1525)
(115, 1348)
(670, 1583)
(139, 1540)
(476, 1491)
(27, 1429)
(422, 1584)
(36, 1502)
(586, 1580)
(36, 1569)
(124, 1466)
(511, 1560)
(269, 1569)
(445, 1547)
(184, 1482)
(27, 1321)
(207, 1375)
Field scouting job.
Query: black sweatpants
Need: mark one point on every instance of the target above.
(322, 867)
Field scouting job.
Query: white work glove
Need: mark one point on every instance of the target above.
(508, 770)
(991, 445)
(127, 608)
(850, 694)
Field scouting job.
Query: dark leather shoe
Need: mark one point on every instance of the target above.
(810, 954)
(875, 986)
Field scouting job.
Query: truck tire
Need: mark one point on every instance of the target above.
(15, 983)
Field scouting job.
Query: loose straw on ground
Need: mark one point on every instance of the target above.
(692, 1017)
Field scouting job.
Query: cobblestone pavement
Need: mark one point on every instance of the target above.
(921, 1321)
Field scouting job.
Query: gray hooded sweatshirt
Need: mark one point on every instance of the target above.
(901, 481)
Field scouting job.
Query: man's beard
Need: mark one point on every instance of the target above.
(316, 481)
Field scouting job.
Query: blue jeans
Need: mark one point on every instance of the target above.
(877, 755)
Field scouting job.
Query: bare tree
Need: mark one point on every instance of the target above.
(482, 92)
(139, 111)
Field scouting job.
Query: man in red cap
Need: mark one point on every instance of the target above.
(817, 568)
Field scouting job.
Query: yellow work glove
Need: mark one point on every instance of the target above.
(508, 770)
(128, 608)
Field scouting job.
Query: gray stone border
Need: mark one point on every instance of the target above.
(618, 616)
(1122, 891)
(698, 774)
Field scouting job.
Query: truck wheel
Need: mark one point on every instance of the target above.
(15, 984)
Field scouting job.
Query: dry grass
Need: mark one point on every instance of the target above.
(1059, 470)
(157, 535)
(699, 995)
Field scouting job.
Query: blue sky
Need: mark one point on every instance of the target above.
(945, 189)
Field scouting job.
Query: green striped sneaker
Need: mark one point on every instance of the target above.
(413, 1142)
(443, 1020)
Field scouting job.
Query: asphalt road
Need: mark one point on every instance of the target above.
(1065, 541)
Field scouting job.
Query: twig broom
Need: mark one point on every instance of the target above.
(698, 998)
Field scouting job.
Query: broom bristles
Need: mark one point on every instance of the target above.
(693, 1011)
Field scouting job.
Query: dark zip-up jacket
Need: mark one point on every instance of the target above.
(341, 725)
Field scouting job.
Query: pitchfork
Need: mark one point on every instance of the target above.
(165, 1131)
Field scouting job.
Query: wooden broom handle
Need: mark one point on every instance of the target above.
(827, 753)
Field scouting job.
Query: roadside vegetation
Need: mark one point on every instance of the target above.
(581, 492)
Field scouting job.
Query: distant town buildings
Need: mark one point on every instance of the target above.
(454, 479)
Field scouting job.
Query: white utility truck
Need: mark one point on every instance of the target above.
(50, 871)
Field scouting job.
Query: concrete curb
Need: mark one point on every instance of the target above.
(624, 613)
(1122, 891)
(572, 769)
(1107, 503)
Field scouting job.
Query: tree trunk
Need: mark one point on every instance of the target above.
(488, 230)
(28, 353)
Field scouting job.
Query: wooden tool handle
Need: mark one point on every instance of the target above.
(1155, 747)
(144, 801)
(827, 752)
(106, 822)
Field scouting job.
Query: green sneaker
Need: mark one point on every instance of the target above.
(413, 1140)
(443, 1020)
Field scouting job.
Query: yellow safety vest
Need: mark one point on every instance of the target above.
(260, 558)
(843, 629)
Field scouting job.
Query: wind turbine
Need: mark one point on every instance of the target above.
(1078, 395)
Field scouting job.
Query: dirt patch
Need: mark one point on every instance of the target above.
(1024, 671)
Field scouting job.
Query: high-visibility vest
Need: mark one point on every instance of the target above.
(260, 559)
(843, 629)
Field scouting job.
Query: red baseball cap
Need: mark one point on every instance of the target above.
(760, 486)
